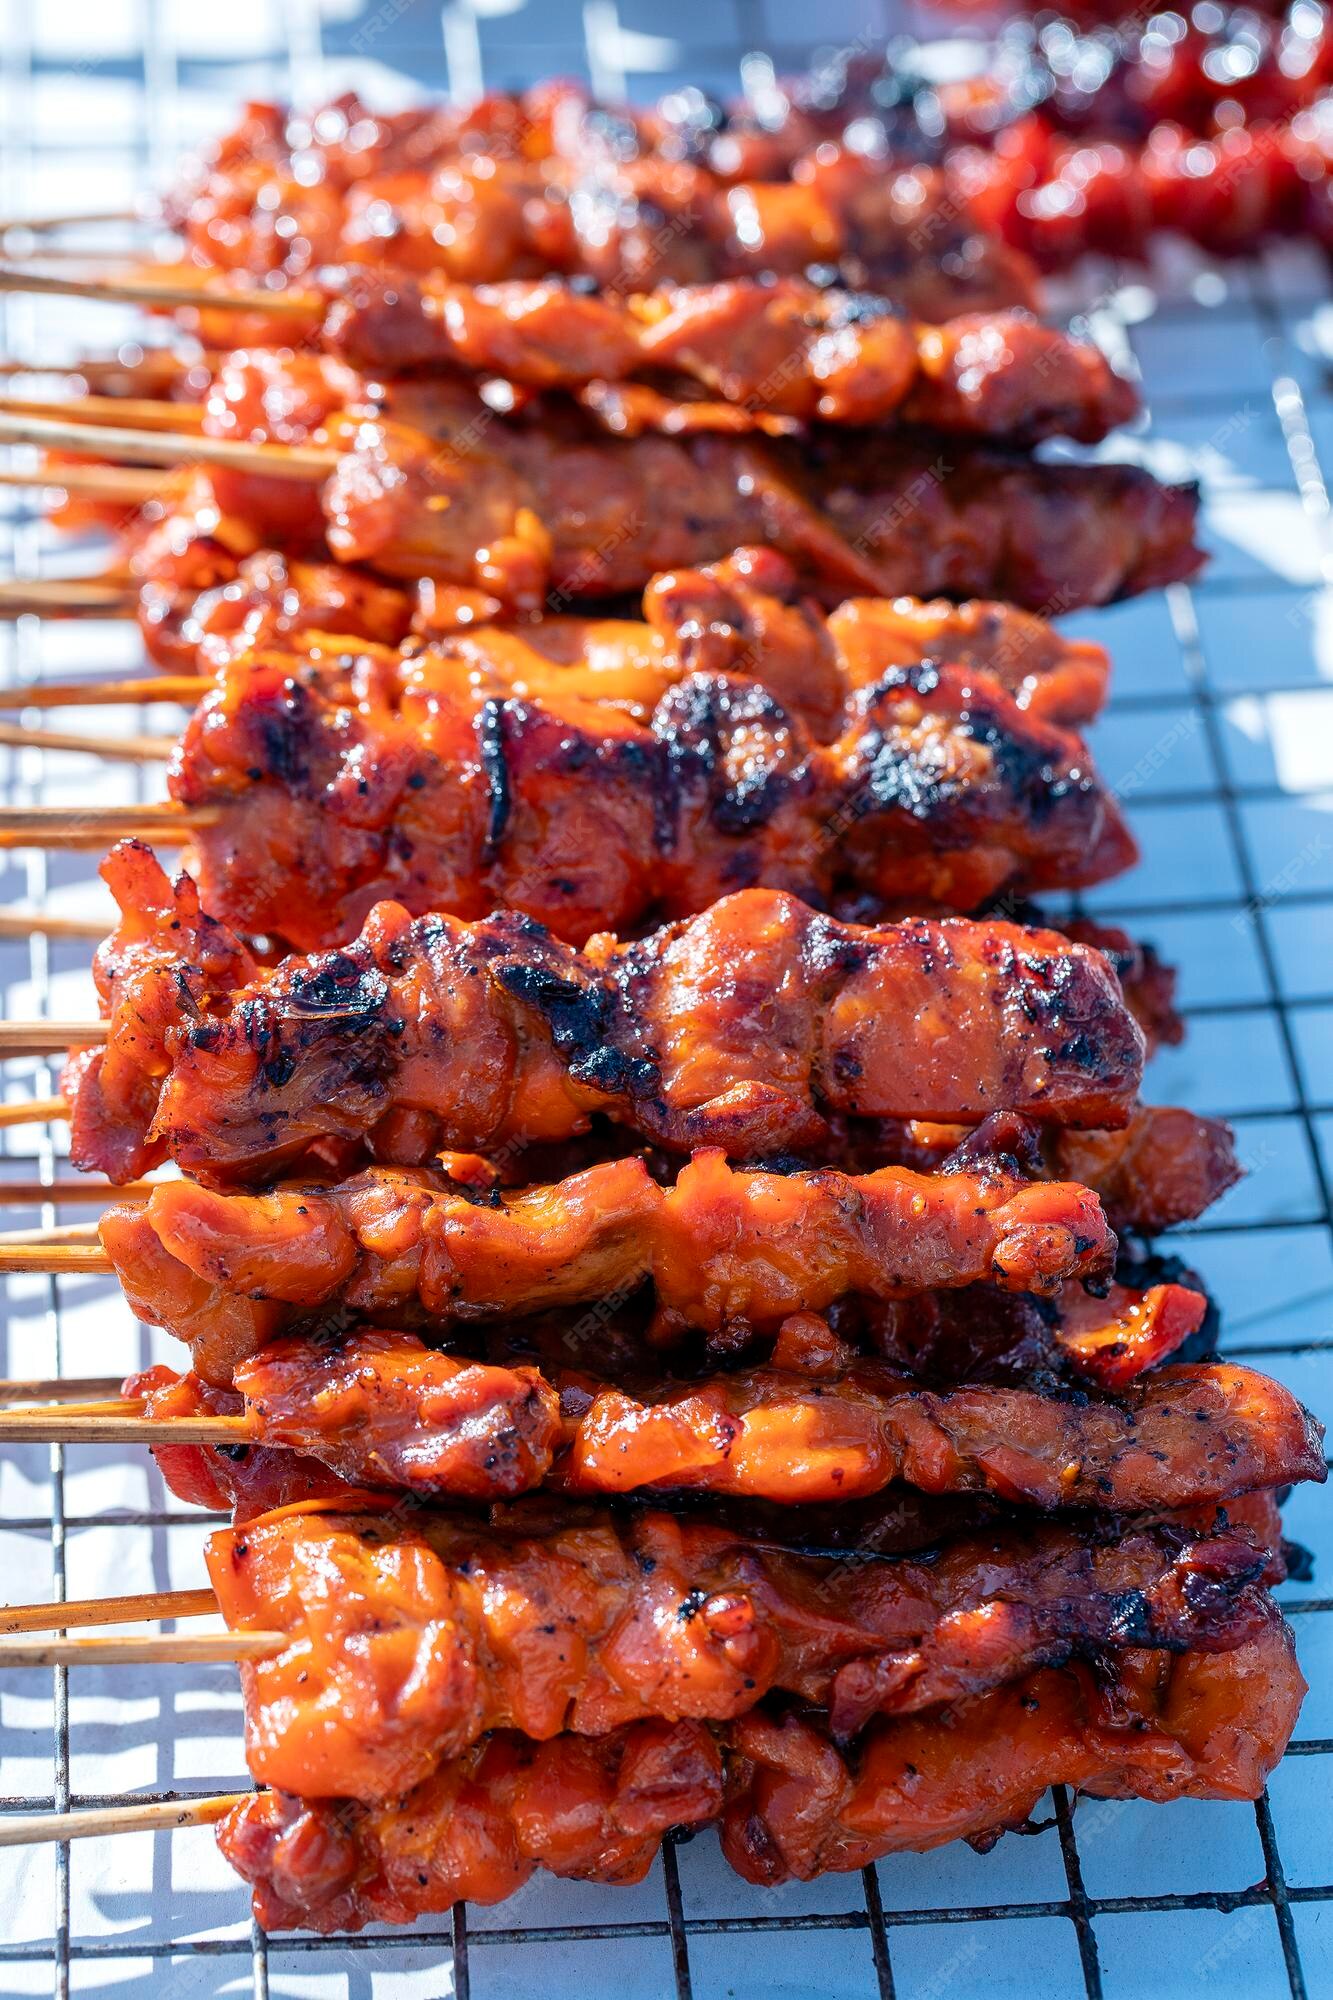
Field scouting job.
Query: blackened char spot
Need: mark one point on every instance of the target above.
(693, 724)
(340, 987)
(491, 749)
(286, 723)
(1131, 1620)
(279, 1069)
(579, 1016)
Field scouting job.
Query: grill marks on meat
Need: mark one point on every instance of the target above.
(372, 775)
(744, 1028)
(729, 1253)
(407, 1643)
(785, 349)
(1151, 1725)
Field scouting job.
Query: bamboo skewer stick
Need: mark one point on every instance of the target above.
(95, 826)
(55, 1260)
(40, 225)
(32, 1111)
(16, 923)
(32, 1194)
(124, 1648)
(153, 1649)
(157, 368)
(65, 593)
(49, 1038)
(137, 749)
(145, 413)
(161, 292)
(112, 483)
(274, 461)
(155, 1816)
(57, 1388)
(126, 1425)
(58, 1233)
(183, 689)
(69, 1613)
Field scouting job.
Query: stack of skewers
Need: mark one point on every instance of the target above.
(636, 1180)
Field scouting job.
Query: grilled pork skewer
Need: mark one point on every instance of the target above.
(591, 1627)
(975, 1338)
(385, 1411)
(628, 226)
(443, 488)
(777, 350)
(745, 615)
(373, 1653)
(377, 776)
(1152, 1726)
(426, 777)
(747, 1027)
(728, 1253)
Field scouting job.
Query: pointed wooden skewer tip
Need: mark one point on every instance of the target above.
(70, 1613)
(162, 292)
(56, 1259)
(117, 485)
(182, 689)
(274, 461)
(42, 225)
(76, 827)
(136, 749)
(20, 923)
(155, 1816)
(56, 1388)
(152, 1649)
(122, 1421)
(59, 1234)
(87, 1188)
(90, 596)
(144, 413)
(32, 1111)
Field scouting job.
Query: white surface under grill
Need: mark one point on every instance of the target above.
(1220, 738)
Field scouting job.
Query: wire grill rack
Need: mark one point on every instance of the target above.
(1220, 738)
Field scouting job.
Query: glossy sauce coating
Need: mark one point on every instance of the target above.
(406, 1643)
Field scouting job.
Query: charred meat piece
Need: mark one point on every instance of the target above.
(746, 1028)
(748, 615)
(1182, 1436)
(537, 514)
(1107, 1337)
(374, 775)
(1198, 1726)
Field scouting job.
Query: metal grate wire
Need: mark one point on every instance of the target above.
(1220, 886)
